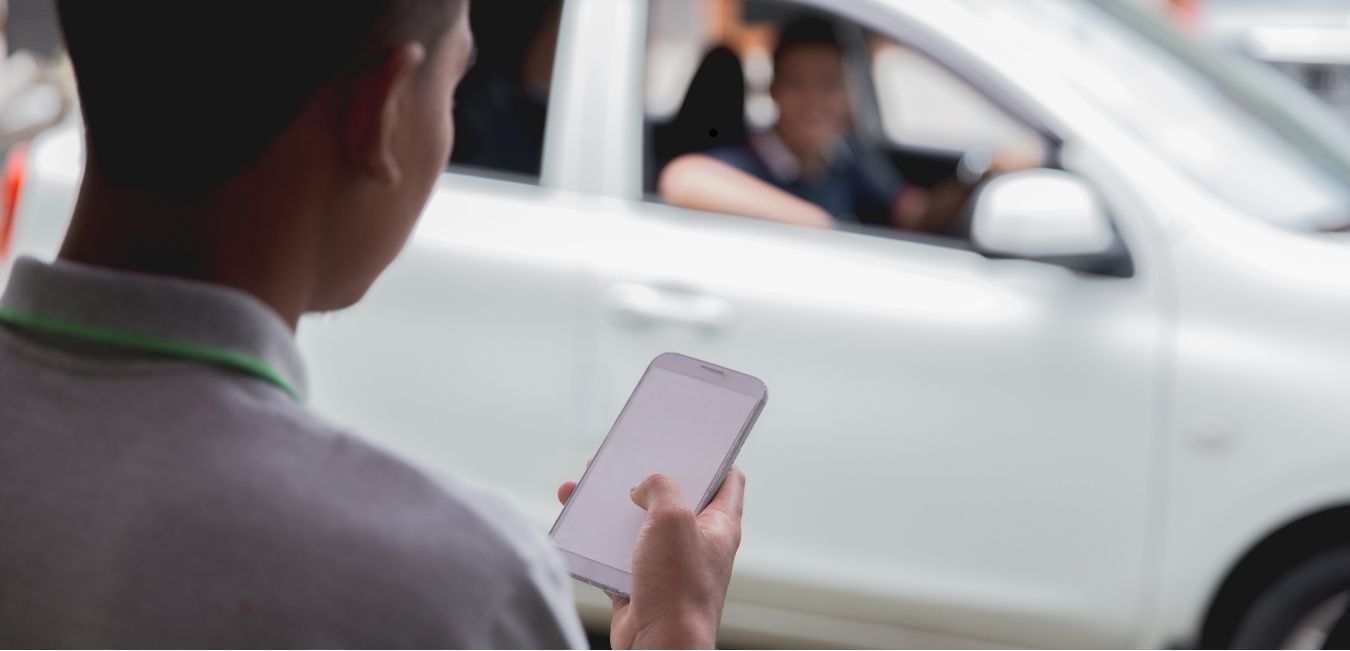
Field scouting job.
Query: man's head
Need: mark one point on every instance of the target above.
(808, 86)
(342, 107)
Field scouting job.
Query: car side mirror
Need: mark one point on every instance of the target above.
(1049, 216)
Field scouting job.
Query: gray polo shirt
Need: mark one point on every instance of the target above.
(149, 501)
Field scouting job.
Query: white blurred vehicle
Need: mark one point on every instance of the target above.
(1307, 39)
(1119, 415)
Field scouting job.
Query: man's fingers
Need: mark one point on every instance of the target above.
(730, 498)
(565, 491)
(568, 487)
(658, 494)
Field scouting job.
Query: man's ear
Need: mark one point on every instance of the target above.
(379, 94)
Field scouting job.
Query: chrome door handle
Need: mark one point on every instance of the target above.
(642, 304)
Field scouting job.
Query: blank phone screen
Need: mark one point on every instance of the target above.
(674, 424)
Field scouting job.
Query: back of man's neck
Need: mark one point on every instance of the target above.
(206, 240)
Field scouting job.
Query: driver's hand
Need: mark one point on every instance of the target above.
(930, 211)
(1008, 160)
(681, 566)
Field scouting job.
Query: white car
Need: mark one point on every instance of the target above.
(1117, 415)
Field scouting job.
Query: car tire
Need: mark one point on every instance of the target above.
(1339, 638)
(1305, 602)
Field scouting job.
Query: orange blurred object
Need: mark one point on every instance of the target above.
(1187, 13)
(15, 165)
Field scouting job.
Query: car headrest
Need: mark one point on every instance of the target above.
(713, 112)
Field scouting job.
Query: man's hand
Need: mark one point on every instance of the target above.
(681, 566)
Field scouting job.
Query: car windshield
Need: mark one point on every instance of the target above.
(1250, 137)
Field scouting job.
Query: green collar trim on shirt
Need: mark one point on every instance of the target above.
(212, 355)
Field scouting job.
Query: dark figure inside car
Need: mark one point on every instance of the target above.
(805, 169)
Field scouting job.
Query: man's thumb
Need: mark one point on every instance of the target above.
(658, 493)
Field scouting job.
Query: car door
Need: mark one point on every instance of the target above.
(952, 444)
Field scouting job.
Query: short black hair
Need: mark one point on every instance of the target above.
(179, 95)
(805, 29)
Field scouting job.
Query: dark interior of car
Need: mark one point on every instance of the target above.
(499, 115)
(713, 113)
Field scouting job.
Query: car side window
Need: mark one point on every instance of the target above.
(923, 105)
(774, 110)
(501, 107)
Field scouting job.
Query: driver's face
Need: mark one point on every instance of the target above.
(813, 104)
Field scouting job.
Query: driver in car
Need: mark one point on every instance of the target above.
(803, 170)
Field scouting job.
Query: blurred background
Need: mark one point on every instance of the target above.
(35, 87)
(1308, 40)
(1051, 297)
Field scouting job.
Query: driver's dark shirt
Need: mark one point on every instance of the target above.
(855, 188)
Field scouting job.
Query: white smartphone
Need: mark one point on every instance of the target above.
(687, 419)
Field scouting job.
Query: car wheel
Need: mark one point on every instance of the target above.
(1300, 609)
(1339, 638)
